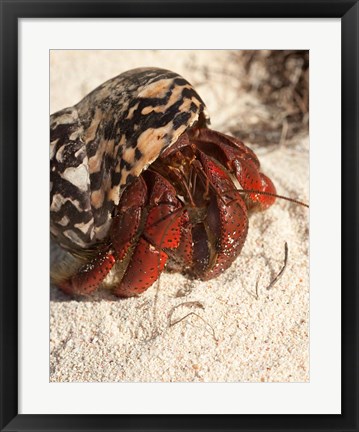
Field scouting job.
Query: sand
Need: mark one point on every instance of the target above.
(231, 329)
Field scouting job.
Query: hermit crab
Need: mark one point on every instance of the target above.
(140, 183)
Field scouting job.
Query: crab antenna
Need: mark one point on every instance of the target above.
(274, 195)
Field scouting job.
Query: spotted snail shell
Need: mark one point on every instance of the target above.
(108, 138)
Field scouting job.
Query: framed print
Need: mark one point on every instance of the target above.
(176, 352)
(203, 168)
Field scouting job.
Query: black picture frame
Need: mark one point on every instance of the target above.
(11, 11)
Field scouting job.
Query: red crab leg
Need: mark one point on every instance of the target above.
(241, 161)
(262, 202)
(143, 270)
(89, 276)
(124, 229)
(162, 230)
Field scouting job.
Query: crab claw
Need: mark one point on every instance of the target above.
(226, 224)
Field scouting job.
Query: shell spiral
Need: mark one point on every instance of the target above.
(100, 144)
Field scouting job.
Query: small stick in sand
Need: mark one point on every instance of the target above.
(282, 269)
(190, 304)
(273, 282)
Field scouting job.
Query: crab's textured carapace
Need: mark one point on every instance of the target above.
(140, 183)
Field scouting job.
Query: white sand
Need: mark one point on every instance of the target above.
(237, 332)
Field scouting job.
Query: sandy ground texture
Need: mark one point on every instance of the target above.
(229, 329)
